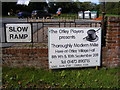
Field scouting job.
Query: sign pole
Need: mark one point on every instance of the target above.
(97, 68)
(5, 32)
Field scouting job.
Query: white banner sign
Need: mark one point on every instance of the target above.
(74, 47)
(20, 32)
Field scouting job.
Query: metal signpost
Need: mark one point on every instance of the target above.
(74, 47)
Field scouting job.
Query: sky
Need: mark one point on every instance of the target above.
(94, 1)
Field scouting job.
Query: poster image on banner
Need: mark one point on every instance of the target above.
(18, 32)
(74, 47)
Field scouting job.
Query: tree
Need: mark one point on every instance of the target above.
(110, 7)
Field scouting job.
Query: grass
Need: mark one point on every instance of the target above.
(75, 16)
(110, 15)
(70, 78)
